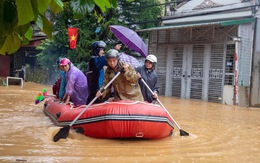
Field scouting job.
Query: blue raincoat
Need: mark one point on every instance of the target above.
(63, 83)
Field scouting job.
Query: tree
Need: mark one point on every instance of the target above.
(134, 11)
(58, 46)
(91, 28)
(16, 17)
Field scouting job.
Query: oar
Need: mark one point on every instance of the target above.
(182, 132)
(64, 132)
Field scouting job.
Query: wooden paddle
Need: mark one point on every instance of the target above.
(64, 132)
(182, 132)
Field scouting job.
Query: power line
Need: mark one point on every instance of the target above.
(190, 15)
(160, 4)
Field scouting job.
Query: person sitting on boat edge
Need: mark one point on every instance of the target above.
(149, 75)
(95, 71)
(126, 85)
(62, 85)
(77, 84)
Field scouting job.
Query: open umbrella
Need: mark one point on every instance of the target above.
(130, 60)
(130, 38)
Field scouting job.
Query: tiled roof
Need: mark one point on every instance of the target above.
(207, 4)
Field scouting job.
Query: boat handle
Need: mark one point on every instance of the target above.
(139, 134)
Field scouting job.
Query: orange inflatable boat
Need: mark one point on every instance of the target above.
(122, 119)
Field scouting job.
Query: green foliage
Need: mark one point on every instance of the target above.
(136, 11)
(17, 15)
(2, 81)
(37, 76)
(8, 18)
(58, 47)
(87, 26)
(81, 8)
(48, 60)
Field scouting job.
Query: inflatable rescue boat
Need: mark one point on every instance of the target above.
(121, 119)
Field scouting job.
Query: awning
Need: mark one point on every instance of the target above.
(218, 23)
(188, 19)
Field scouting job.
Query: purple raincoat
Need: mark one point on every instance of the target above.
(77, 86)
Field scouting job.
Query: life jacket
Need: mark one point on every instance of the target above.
(56, 87)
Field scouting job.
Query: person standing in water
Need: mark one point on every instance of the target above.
(22, 72)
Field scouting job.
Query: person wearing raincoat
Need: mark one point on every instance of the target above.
(63, 82)
(95, 70)
(126, 85)
(150, 77)
(77, 84)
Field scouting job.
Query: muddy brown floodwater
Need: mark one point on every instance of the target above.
(218, 133)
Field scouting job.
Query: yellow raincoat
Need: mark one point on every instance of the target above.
(125, 86)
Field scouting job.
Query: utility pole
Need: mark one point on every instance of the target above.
(236, 87)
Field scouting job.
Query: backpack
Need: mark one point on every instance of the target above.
(56, 87)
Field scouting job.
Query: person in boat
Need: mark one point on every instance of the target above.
(118, 45)
(95, 69)
(77, 84)
(61, 86)
(149, 75)
(126, 85)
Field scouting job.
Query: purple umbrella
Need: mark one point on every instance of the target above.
(130, 38)
(130, 60)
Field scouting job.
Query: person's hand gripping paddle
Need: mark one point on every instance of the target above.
(64, 132)
(182, 132)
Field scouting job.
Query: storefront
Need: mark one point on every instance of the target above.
(203, 60)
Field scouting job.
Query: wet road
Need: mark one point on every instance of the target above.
(218, 133)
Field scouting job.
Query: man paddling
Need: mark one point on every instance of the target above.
(126, 85)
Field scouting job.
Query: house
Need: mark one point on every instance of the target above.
(209, 50)
(25, 55)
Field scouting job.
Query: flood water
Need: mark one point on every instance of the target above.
(218, 133)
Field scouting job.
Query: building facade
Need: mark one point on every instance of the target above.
(209, 50)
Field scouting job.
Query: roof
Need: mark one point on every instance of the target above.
(208, 17)
(209, 5)
(223, 12)
(217, 23)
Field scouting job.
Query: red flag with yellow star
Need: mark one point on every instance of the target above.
(73, 36)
